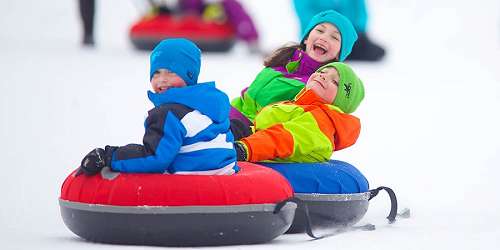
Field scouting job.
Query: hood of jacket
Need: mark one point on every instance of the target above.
(204, 97)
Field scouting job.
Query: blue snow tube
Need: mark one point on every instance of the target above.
(334, 194)
(332, 177)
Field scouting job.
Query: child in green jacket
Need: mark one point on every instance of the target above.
(312, 126)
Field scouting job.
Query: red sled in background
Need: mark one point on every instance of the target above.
(209, 35)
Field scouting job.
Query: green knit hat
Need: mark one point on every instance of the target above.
(351, 91)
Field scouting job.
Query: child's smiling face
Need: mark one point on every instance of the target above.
(325, 84)
(323, 43)
(164, 79)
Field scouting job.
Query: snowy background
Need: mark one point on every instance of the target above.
(430, 117)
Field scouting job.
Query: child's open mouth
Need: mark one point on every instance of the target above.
(162, 89)
(319, 49)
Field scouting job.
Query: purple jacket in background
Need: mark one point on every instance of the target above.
(243, 24)
(194, 6)
(245, 28)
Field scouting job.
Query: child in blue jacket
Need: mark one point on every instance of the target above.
(187, 132)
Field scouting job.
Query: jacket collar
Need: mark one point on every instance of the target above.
(307, 65)
(204, 97)
(308, 97)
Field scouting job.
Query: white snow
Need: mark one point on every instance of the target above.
(430, 117)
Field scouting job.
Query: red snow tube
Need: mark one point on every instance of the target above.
(178, 210)
(209, 36)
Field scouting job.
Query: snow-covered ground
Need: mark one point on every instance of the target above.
(430, 117)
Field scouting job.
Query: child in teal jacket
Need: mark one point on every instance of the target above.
(329, 37)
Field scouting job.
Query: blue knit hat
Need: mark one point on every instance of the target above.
(179, 56)
(343, 24)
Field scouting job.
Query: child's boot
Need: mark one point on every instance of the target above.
(366, 50)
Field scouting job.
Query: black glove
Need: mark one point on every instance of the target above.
(239, 129)
(241, 151)
(96, 160)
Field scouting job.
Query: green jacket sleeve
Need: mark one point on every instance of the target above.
(269, 86)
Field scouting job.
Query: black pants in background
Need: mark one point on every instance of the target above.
(87, 11)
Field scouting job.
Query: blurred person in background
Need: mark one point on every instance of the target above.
(232, 10)
(355, 10)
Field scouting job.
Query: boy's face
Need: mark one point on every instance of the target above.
(325, 84)
(163, 80)
(323, 43)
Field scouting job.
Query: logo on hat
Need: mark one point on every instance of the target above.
(347, 89)
(190, 74)
(155, 55)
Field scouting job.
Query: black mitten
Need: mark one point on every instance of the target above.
(239, 129)
(241, 151)
(96, 160)
(93, 162)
